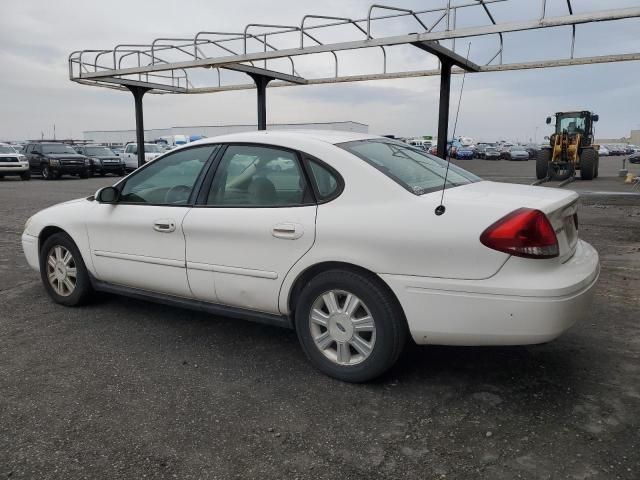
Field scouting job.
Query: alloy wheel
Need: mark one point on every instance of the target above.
(61, 271)
(342, 327)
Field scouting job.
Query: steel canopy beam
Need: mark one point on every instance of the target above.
(559, 21)
(147, 85)
(444, 53)
(251, 70)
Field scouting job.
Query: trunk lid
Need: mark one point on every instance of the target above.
(560, 206)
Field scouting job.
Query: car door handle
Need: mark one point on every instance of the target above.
(164, 226)
(288, 231)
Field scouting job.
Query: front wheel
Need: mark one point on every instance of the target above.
(63, 272)
(47, 174)
(588, 161)
(25, 175)
(350, 327)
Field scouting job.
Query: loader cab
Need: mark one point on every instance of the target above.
(574, 123)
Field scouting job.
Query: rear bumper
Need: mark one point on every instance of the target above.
(514, 307)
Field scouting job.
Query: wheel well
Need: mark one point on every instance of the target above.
(306, 276)
(46, 233)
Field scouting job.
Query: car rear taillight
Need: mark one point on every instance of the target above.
(523, 233)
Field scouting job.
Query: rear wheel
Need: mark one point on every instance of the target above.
(350, 327)
(63, 272)
(588, 161)
(542, 163)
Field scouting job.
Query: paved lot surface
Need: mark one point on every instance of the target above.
(128, 389)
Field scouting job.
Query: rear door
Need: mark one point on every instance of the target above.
(255, 220)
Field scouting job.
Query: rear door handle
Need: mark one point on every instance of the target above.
(287, 231)
(164, 226)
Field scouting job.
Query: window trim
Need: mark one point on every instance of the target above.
(201, 199)
(196, 186)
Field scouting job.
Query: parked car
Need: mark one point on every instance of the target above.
(52, 160)
(518, 152)
(316, 246)
(634, 158)
(13, 163)
(532, 149)
(504, 151)
(491, 153)
(465, 153)
(603, 151)
(103, 160)
(130, 155)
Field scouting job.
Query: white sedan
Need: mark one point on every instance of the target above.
(335, 234)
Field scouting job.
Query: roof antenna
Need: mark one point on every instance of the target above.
(440, 209)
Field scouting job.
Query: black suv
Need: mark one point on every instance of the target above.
(52, 160)
(103, 160)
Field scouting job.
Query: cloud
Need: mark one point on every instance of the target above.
(37, 36)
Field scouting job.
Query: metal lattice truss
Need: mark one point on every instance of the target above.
(169, 65)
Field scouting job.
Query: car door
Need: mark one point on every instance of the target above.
(138, 241)
(255, 218)
(33, 157)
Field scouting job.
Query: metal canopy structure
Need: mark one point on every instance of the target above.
(186, 65)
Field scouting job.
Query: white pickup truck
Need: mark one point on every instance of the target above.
(130, 154)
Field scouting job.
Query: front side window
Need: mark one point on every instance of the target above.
(415, 170)
(169, 180)
(258, 176)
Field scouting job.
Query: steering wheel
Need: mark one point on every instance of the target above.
(177, 194)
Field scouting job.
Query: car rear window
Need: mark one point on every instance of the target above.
(414, 169)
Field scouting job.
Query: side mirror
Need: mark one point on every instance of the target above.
(107, 195)
(595, 118)
(546, 138)
(548, 120)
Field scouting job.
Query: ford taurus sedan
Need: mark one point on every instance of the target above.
(340, 236)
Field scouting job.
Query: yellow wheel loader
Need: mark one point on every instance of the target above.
(570, 148)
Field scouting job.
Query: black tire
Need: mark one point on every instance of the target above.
(84, 174)
(46, 172)
(122, 172)
(389, 321)
(543, 157)
(1, 177)
(595, 175)
(103, 173)
(83, 289)
(588, 161)
(26, 175)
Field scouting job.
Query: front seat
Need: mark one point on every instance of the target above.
(262, 192)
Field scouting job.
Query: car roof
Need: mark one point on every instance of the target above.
(326, 136)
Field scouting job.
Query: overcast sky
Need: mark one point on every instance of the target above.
(36, 37)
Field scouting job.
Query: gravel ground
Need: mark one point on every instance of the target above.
(129, 389)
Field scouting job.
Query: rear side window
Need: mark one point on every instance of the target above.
(260, 177)
(327, 183)
(413, 169)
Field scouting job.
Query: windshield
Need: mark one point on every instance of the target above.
(6, 149)
(152, 148)
(517, 149)
(99, 152)
(572, 124)
(57, 148)
(415, 170)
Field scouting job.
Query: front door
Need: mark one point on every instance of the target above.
(256, 221)
(138, 241)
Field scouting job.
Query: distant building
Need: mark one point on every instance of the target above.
(633, 139)
(124, 136)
